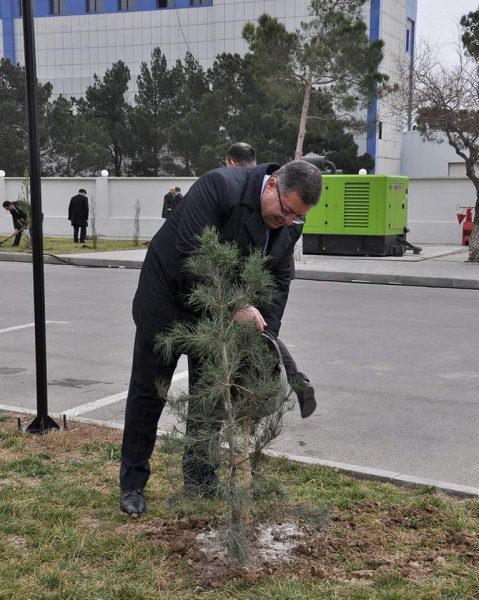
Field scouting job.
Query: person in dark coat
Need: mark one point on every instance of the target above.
(78, 215)
(257, 208)
(241, 154)
(168, 203)
(178, 196)
(19, 218)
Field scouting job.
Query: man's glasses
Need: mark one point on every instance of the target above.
(289, 215)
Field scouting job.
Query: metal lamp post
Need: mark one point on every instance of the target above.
(42, 422)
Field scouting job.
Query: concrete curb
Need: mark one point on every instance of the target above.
(396, 478)
(367, 473)
(386, 278)
(301, 273)
(77, 261)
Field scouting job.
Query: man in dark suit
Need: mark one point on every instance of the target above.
(78, 215)
(168, 203)
(178, 196)
(19, 218)
(241, 154)
(257, 208)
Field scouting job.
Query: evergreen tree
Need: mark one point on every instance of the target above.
(193, 124)
(250, 110)
(13, 119)
(331, 53)
(470, 33)
(106, 106)
(152, 116)
(239, 383)
(79, 144)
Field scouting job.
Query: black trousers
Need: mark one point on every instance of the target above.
(18, 237)
(143, 411)
(82, 230)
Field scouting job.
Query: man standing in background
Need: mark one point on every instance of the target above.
(168, 203)
(78, 215)
(240, 154)
(178, 196)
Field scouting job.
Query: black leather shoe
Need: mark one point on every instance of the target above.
(306, 399)
(132, 501)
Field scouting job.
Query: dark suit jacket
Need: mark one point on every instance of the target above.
(19, 216)
(168, 204)
(228, 199)
(178, 198)
(78, 210)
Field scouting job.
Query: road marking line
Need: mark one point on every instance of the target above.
(73, 412)
(95, 404)
(30, 325)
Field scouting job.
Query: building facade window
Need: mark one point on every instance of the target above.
(166, 4)
(57, 7)
(93, 6)
(199, 2)
(409, 36)
(125, 5)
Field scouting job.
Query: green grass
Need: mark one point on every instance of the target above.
(62, 536)
(61, 245)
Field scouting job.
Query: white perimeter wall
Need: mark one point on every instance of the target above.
(115, 203)
(432, 205)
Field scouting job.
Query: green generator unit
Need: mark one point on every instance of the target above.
(359, 214)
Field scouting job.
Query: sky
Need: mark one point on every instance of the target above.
(437, 22)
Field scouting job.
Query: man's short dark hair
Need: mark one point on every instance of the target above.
(6, 204)
(177, 189)
(82, 191)
(301, 177)
(242, 154)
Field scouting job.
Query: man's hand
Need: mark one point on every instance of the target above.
(250, 313)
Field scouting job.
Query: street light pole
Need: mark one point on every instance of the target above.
(42, 421)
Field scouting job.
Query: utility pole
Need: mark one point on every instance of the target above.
(42, 422)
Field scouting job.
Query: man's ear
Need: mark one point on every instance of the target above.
(271, 183)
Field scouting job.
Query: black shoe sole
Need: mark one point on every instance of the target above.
(308, 403)
(134, 515)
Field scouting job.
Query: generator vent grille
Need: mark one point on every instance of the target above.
(356, 204)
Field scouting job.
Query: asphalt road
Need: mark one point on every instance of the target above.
(396, 368)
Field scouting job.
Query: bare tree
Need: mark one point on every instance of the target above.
(136, 223)
(445, 100)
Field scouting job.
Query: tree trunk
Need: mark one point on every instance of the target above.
(474, 241)
(229, 419)
(246, 471)
(308, 86)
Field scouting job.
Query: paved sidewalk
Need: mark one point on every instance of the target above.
(436, 266)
